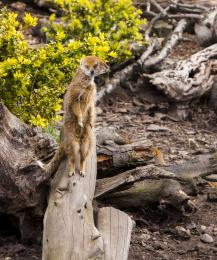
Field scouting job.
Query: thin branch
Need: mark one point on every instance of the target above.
(148, 6)
(151, 24)
(162, 11)
(176, 35)
(191, 16)
(190, 6)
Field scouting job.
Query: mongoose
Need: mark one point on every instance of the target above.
(78, 120)
(158, 156)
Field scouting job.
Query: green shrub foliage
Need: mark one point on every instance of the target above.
(106, 27)
(33, 80)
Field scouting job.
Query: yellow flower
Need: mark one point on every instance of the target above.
(29, 20)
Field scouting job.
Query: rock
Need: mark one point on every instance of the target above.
(157, 128)
(99, 110)
(212, 177)
(215, 231)
(182, 232)
(163, 256)
(158, 245)
(206, 238)
(212, 196)
(193, 229)
(202, 228)
(181, 252)
(122, 110)
(145, 237)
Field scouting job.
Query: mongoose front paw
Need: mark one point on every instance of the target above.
(71, 173)
(80, 123)
(82, 173)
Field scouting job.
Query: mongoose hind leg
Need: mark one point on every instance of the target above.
(71, 167)
(85, 147)
(71, 152)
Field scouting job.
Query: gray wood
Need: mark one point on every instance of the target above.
(165, 3)
(188, 79)
(115, 228)
(69, 230)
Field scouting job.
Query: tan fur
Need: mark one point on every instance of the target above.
(79, 105)
(158, 156)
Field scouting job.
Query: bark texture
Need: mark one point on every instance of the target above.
(70, 214)
(166, 185)
(22, 183)
(113, 157)
(187, 79)
(69, 228)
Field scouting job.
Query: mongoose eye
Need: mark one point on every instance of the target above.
(95, 66)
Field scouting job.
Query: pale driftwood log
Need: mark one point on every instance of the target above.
(22, 182)
(69, 228)
(115, 228)
(190, 78)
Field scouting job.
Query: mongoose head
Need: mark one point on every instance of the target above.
(93, 66)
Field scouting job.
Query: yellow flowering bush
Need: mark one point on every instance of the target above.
(33, 80)
(107, 27)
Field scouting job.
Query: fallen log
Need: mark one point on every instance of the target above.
(113, 157)
(170, 185)
(188, 79)
(23, 183)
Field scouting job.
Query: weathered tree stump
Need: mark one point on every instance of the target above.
(69, 228)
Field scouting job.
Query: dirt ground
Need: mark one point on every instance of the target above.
(158, 234)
